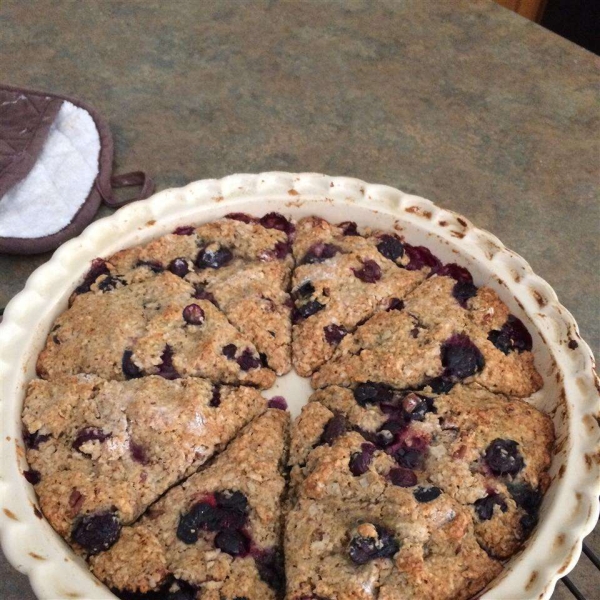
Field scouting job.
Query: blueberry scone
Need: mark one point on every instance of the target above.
(358, 529)
(342, 278)
(489, 452)
(154, 327)
(416, 346)
(217, 536)
(241, 264)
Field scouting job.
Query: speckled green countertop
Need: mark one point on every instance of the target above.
(462, 102)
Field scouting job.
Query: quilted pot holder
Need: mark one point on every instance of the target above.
(56, 158)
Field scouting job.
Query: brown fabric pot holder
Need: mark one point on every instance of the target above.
(43, 138)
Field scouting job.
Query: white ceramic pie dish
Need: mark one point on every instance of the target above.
(570, 395)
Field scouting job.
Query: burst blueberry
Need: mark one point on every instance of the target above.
(335, 427)
(319, 252)
(334, 334)
(360, 461)
(460, 357)
(247, 361)
(370, 272)
(89, 434)
(421, 257)
(97, 532)
(426, 494)
(503, 457)
(390, 247)
(166, 369)
(364, 549)
(306, 310)
(213, 259)
(484, 507)
(232, 542)
(513, 335)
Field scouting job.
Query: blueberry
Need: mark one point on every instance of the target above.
(248, 361)
(306, 290)
(277, 221)
(513, 335)
(232, 542)
(179, 267)
(360, 461)
(188, 529)
(319, 252)
(281, 250)
(270, 567)
(35, 439)
(232, 500)
(187, 230)
(138, 453)
(88, 434)
(334, 334)
(97, 532)
(463, 291)
(395, 304)
(410, 458)
(335, 427)
(426, 494)
(484, 507)
(193, 314)
(461, 357)
(201, 294)
(307, 310)
(440, 385)
(393, 426)
(391, 247)
(369, 273)
(215, 399)
(402, 477)
(243, 217)
(365, 549)
(154, 265)
(372, 393)
(213, 259)
(420, 257)
(458, 273)
(98, 268)
(528, 522)
(32, 476)
(278, 402)
(110, 283)
(503, 457)
(525, 496)
(202, 515)
(349, 228)
(416, 406)
(130, 369)
(166, 368)
(229, 351)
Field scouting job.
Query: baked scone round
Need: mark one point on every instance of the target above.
(417, 465)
